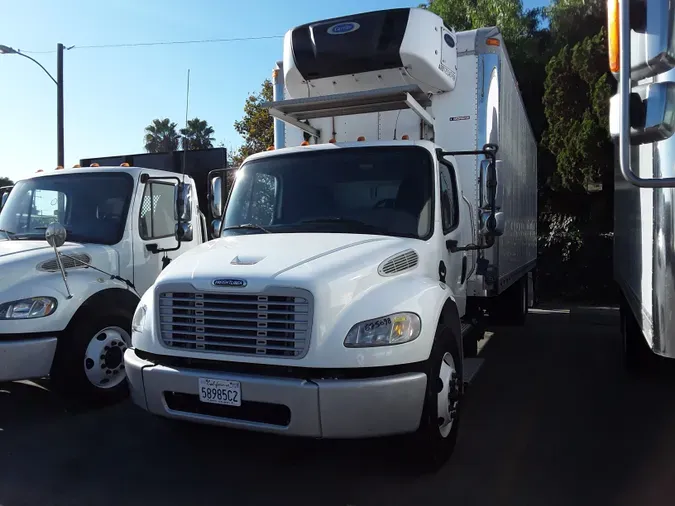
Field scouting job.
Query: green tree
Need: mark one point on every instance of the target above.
(257, 126)
(161, 136)
(197, 135)
(5, 181)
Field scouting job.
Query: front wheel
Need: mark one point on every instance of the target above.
(89, 361)
(434, 441)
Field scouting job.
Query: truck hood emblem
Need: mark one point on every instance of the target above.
(230, 283)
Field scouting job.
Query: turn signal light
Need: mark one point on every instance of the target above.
(271, 148)
(58, 167)
(39, 170)
(491, 41)
(304, 143)
(94, 165)
(125, 164)
(77, 166)
(405, 137)
(613, 34)
(332, 141)
(361, 138)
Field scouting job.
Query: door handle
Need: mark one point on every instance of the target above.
(152, 247)
(464, 263)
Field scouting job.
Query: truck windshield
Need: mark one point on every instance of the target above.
(369, 190)
(91, 206)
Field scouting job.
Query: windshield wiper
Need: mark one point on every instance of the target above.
(249, 226)
(9, 234)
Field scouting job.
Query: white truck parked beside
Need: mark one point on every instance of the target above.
(353, 267)
(641, 39)
(78, 248)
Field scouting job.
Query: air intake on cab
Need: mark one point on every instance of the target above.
(398, 263)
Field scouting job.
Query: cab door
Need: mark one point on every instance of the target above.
(455, 263)
(155, 242)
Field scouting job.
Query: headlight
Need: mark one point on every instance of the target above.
(393, 329)
(34, 307)
(139, 318)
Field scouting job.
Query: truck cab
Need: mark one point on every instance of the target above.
(356, 256)
(78, 248)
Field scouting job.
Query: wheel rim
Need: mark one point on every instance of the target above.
(104, 357)
(448, 397)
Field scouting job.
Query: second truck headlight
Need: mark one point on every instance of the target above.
(395, 328)
(33, 307)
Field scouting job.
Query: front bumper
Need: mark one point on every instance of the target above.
(26, 358)
(344, 408)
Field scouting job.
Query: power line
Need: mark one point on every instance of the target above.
(161, 43)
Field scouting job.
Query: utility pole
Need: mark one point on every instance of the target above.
(59, 105)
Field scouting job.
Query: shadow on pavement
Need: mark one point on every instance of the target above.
(551, 419)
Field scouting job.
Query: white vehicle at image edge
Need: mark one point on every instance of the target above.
(78, 247)
(345, 295)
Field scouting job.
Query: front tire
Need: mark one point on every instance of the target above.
(89, 361)
(435, 439)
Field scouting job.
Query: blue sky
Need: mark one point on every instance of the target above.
(112, 94)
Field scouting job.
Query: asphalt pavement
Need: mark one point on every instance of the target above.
(550, 419)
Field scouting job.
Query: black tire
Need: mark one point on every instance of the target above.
(638, 359)
(68, 374)
(430, 448)
(510, 308)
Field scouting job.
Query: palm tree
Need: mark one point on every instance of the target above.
(161, 136)
(197, 135)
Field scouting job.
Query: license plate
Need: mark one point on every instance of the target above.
(214, 391)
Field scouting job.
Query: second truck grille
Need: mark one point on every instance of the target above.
(273, 325)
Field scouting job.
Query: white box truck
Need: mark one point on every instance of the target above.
(641, 49)
(78, 248)
(358, 254)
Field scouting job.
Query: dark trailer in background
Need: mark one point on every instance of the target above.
(198, 164)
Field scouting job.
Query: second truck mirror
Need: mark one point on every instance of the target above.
(216, 197)
(652, 113)
(184, 202)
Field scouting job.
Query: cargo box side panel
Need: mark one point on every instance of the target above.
(517, 248)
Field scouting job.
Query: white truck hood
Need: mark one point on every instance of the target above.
(262, 258)
(19, 259)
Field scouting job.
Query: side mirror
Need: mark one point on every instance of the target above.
(184, 202)
(55, 235)
(184, 231)
(489, 175)
(215, 228)
(216, 197)
(492, 227)
(652, 113)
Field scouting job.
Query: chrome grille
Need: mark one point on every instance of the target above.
(270, 324)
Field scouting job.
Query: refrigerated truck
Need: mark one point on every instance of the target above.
(357, 255)
(641, 49)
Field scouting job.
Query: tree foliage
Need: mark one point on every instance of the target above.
(161, 136)
(256, 127)
(5, 181)
(197, 135)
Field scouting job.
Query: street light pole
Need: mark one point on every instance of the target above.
(59, 94)
(59, 106)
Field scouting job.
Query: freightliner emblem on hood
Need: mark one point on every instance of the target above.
(234, 283)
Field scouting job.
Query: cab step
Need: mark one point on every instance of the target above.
(471, 368)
